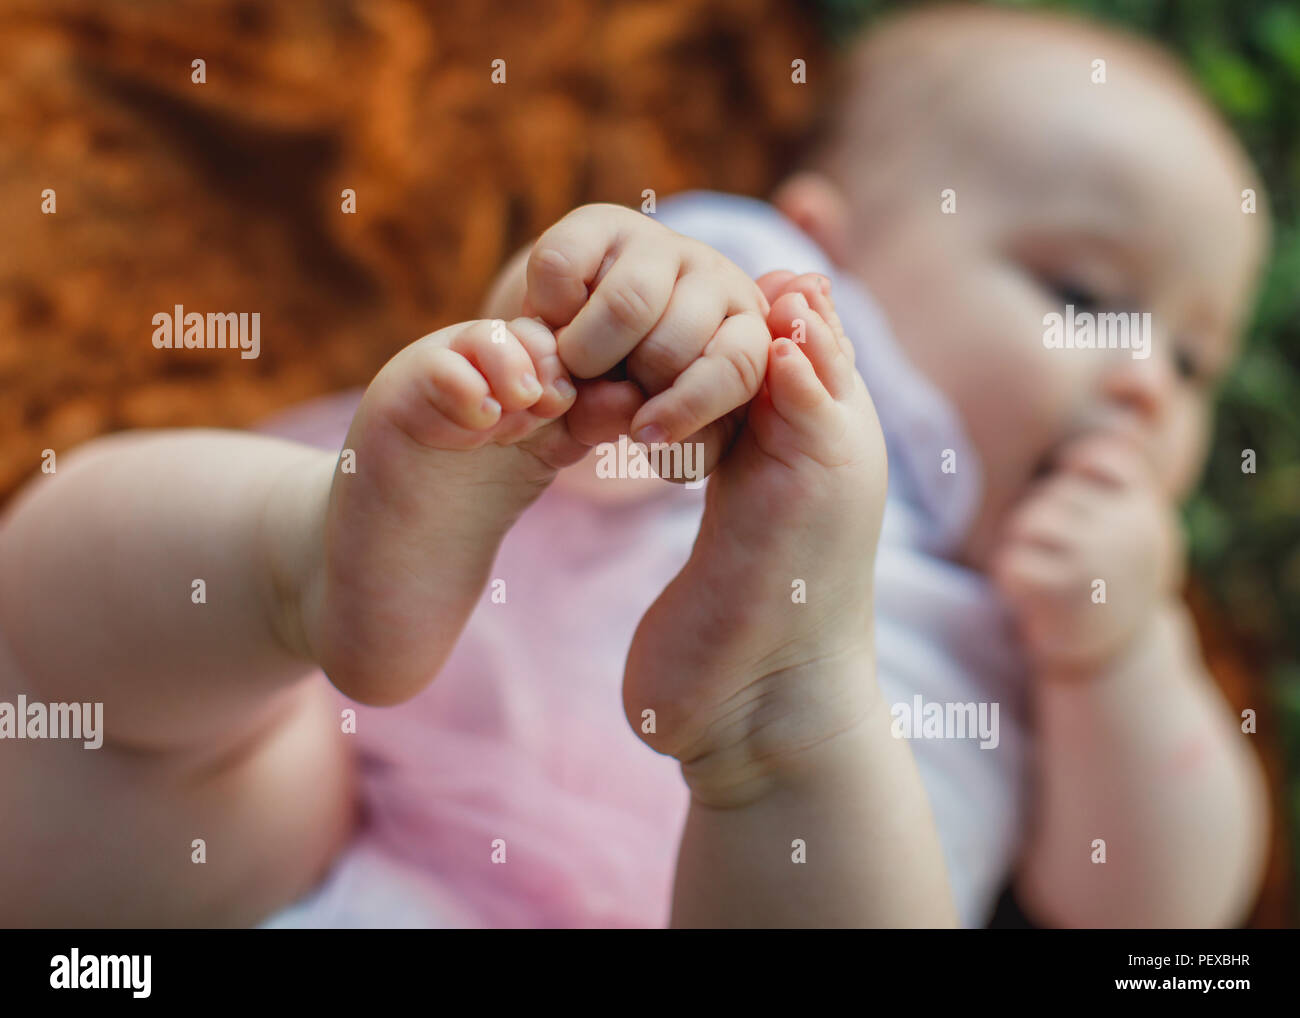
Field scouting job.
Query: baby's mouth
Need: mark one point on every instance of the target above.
(1047, 463)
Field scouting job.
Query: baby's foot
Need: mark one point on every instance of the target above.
(762, 645)
(454, 438)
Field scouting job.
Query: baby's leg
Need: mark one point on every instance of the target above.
(163, 575)
(455, 437)
(759, 663)
(781, 574)
(184, 577)
(217, 784)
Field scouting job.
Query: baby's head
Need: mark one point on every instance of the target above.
(1117, 196)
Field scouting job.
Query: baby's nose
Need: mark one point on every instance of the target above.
(1142, 385)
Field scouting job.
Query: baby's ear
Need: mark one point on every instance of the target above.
(817, 205)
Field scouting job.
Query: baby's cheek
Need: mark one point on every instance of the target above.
(1186, 449)
(1047, 392)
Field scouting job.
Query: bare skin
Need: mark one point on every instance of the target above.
(214, 702)
(211, 731)
(771, 702)
(1119, 196)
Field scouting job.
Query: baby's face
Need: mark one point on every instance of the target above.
(1116, 197)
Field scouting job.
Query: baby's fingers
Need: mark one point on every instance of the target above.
(727, 375)
(1025, 572)
(604, 410)
(570, 257)
(1111, 461)
(564, 261)
(627, 303)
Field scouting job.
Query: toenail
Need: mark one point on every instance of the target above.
(565, 388)
(530, 383)
(490, 406)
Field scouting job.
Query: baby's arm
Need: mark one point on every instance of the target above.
(100, 570)
(1136, 747)
(1145, 755)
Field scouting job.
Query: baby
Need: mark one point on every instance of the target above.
(775, 667)
(1086, 173)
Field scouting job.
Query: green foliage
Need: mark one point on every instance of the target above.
(1244, 528)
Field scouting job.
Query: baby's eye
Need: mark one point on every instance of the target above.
(1067, 291)
(1187, 365)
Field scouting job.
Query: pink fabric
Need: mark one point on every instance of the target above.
(522, 736)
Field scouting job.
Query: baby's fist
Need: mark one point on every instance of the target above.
(1088, 556)
(679, 330)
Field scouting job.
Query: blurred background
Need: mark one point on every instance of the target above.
(226, 195)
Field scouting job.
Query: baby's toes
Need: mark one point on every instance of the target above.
(502, 360)
(453, 387)
(792, 316)
(433, 395)
(816, 290)
(799, 399)
(558, 390)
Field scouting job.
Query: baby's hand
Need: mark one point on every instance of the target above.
(1087, 558)
(678, 331)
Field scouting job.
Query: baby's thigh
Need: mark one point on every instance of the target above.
(116, 837)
